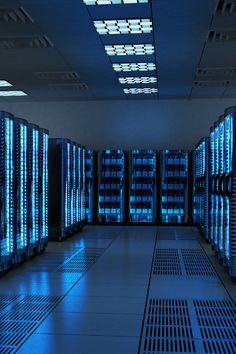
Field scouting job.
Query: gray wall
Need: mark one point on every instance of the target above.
(125, 124)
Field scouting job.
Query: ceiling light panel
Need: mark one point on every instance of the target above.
(4, 83)
(137, 80)
(12, 93)
(114, 2)
(136, 91)
(132, 26)
(129, 49)
(134, 67)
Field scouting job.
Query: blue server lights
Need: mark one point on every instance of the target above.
(24, 190)
(174, 178)
(83, 184)
(21, 189)
(44, 186)
(6, 190)
(90, 185)
(201, 186)
(228, 190)
(66, 170)
(143, 194)
(111, 186)
(33, 173)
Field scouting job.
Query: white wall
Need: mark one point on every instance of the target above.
(125, 124)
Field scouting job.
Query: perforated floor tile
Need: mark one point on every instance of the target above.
(166, 262)
(81, 261)
(167, 327)
(197, 263)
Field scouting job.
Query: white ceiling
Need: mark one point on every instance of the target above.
(52, 50)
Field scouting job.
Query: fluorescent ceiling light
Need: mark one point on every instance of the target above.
(134, 67)
(136, 91)
(113, 2)
(137, 80)
(12, 93)
(131, 26)
(4, 83)
(129, 49)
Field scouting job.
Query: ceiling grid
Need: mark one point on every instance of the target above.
(129, 26)
(144, 49)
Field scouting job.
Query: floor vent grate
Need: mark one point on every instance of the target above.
(37, 307)
(6, 350)
(11, 339)
(167, 327)
(82, 261)
(41, 298)
(17, 326)
(196, 263)
(23, 316)
(166, 262)
(217, 323)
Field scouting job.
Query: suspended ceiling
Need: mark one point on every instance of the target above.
(51, 50)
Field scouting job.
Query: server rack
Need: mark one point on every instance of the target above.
(33, 180)
(21, 189)
(74, 157)
(174, 180)
(111, 186)
(83, 184)
(79, 188)
(142, 196)
(43, 187)
(60, 188)
(228, 189)
(215, 188)
(6, 190)
(212, 185)
(221, 197)
(201, 187)
(90, 185)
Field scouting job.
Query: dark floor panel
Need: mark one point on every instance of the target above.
(87, 295)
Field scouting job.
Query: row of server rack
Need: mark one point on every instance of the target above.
(214, 188)
(23, 190)
(67, 175)
(139, 186)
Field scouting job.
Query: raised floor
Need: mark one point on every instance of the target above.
(120, 290)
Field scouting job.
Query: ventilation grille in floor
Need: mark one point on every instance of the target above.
(82, 261)
(217, 322)
(167, 327)
(166, 262)
(17, 324)
(6, 300)
(197, 263)
(50, 261)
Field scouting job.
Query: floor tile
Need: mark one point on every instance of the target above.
(124, 325)
(74, 344)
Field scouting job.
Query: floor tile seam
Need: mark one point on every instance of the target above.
(88, 335)
(82, 335)
(147, 294)
(101, 313)
(62, 297)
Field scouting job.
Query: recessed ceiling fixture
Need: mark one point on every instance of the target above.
(12, 93)
(131, 26)
(137, 80)
(135, 91)
(129, 49)
(4, 83)
(114, 2)
(134, 67)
